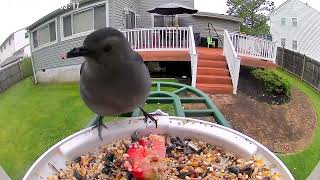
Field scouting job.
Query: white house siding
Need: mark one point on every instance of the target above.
(9, 50)
(27, 50)
(117, 12)
(145, 17)
(20, 40)
(200, 25)
(307, 33)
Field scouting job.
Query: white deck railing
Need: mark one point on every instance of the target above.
(233, 60)
(158, 38)
(165, 39)
(255, 47)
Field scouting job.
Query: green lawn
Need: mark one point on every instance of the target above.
(301, 164)
(33, 118)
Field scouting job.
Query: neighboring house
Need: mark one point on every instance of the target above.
(15, 47)
(65, 28)
(296, 26)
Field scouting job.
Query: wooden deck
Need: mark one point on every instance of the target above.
(212, 52)
(245, 61)
(165, 55)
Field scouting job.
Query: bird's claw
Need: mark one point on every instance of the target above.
(147, 115)
(99, 124)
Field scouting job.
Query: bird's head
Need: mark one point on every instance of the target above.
(102, 46)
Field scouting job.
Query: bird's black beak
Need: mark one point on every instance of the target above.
(77, 52)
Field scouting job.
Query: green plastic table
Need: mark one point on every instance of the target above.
(176, 98)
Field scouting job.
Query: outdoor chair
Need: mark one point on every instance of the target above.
(210, 42)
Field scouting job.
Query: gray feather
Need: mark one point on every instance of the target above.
(116, 81)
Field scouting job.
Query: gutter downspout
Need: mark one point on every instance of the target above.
(34, 72)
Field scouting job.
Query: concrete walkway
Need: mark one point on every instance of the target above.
(315, 175)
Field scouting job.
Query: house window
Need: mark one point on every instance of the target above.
(159, 21)
(164, 21)
(9, 42)
(283, 21)
(294, 22)
(44, 34)
(295, 45)
(84, 21)
(130, 20)
(283, 42)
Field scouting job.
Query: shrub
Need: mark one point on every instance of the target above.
(26, 67)
(273, 83)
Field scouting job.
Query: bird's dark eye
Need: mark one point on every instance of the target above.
(107, 48)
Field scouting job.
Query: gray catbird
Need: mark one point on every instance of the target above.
(113, 78)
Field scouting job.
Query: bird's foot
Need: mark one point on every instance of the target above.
(148, 116)
(99, 124)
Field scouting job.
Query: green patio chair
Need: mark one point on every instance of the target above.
(210, 42)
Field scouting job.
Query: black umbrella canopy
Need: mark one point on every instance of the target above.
(172, 9)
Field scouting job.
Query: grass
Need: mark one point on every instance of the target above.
(33, 118)
(302, 163)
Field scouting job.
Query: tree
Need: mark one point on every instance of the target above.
(253, 14)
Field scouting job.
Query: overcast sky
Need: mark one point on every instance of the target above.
(17, 14)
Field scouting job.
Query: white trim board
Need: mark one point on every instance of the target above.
(107, 14)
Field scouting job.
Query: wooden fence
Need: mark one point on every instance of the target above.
(305, 68)
(10, 75)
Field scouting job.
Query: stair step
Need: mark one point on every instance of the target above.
(211, 79)
(213, 57)
(213, 71)
(215, 88)
(213, 64)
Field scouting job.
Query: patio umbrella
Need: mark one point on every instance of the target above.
(173, 9)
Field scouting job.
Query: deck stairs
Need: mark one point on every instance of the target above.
(213, 73)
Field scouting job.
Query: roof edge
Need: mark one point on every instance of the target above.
(5, 40)
(216, 15)
(279, 7)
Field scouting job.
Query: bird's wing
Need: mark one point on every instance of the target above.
(137, 57)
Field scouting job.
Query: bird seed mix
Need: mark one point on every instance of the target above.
(159, 157)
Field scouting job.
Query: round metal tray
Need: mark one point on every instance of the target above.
(87, 140)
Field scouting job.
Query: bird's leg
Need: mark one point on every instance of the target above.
(147, 115)
(99, 124)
